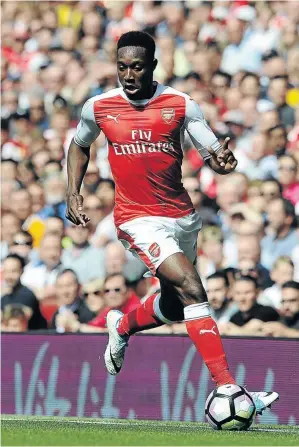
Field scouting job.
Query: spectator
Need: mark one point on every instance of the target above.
(277, 140)
(10, 225)
(42, 277)
(250, 85)
(21, 204)
(92, 178)
(237, 54)
(288, 178)
(7, 188)
(37, 113)
(69, 300)
(55, 190)
(94, 296)
(259, 165)
(212, 257)
(54, 226)
(222, 308)
(9, 170)
(94, 208)
(105, 230)
(281, 237)
(86, 261)
(268, 120)
(117, 260)
(117, 296)
(15, 318)
(245, 293)
(22, 245)
(51, 167)
(192, 186)
(290, 304)
(36, 192)
(249, 253)
(144, 287)
(282, 271)
(278, 88)
(227, 195)
(271, 189)
(15, 293)
(289, 324)
(220, 84)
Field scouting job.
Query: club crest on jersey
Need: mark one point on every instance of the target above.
(168, 115)
(154, 250)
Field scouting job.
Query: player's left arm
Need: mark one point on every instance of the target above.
(219, 158)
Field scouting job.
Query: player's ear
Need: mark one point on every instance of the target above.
(155, 62)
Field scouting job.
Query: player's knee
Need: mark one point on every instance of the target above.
(192, 291)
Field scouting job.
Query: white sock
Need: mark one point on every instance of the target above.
(198, 310)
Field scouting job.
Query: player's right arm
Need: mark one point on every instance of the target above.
(77, 162)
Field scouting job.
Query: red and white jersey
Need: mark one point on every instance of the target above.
(145, 148)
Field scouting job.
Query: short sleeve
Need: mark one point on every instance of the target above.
(198, 129)
(87, 130)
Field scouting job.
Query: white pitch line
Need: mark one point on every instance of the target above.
(139, 424)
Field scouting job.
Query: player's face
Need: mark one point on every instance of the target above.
(135, 72)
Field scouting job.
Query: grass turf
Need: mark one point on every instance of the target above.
(55, 431)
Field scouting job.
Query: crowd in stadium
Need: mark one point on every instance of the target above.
(240, 61)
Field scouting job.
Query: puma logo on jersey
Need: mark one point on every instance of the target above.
(204, 331)
(114, 118)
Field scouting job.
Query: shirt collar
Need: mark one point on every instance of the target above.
(143, 102)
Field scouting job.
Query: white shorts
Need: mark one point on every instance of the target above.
(153, 238)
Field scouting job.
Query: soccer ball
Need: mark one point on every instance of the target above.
(230, 407)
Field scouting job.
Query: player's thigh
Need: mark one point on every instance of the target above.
(179, 271)
(151, 238)
(186, 230)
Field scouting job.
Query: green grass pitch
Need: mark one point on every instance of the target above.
(55, 431)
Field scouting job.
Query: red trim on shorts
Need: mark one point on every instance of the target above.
(123, 235)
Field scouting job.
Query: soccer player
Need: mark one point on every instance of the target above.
(144, 123)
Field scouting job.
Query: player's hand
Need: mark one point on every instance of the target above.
(224, 159)
(74, 211)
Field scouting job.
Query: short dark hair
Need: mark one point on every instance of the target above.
(223, 74)
(247, 278)
(281, 77)
(138, 39)
(289, 156)
(24, 233)
(277, 126)
(16, 258)
(273, 180)
(113, 275)
(219, 275)
(64, 271)
(249, 74)
(291, 285)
